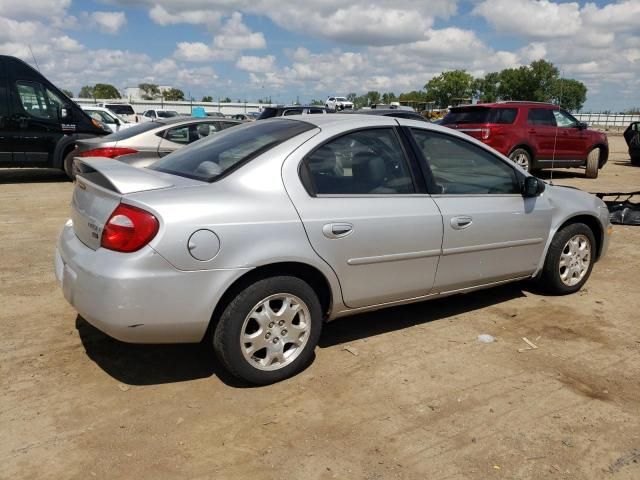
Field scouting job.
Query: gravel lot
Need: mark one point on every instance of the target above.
(401, 393)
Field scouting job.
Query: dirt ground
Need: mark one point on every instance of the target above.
(401, 393)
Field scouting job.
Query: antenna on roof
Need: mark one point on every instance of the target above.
(34, 58)
(555, 138)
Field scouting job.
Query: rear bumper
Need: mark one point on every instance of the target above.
(138, 297)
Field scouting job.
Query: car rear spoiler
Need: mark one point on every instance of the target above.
(118, 176)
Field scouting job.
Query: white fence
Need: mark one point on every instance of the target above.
(607, 120)
(180, 107)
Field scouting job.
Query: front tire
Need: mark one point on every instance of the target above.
(593, 163)
(569, 260)
(635, 160)
(269, 331)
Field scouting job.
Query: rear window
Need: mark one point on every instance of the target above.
(481, 115)
(216, 155)
(133, 131)
(268, 112)
(120, 109)
(167, 113)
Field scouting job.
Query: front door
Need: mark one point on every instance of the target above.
(571, 141)
(491, 232)
(366, 216)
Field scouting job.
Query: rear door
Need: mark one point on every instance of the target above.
(491, 232)
(541, 131)
(367, 215)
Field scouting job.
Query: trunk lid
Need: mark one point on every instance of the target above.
(101, 185)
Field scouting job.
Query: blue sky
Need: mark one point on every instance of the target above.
(248, 49)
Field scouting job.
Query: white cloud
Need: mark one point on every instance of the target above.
(235, 35)
(109, 22)
(201, 52)
(256, 64)
(162, 16)
(33, 8)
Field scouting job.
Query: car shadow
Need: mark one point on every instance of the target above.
(151, 364)
(146, 364)
(32, 175)
(383, 321)
(573, 173)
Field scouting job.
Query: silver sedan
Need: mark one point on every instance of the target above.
(261, 233)
(142, 144)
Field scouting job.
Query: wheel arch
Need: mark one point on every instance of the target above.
(604, 153)
(593, 223)
(310, 274)
(524, 146)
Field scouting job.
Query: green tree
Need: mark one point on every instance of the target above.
(414, 96)
(316, 102)
(150, 91)
(86, 92)
(389, 97)
(173, 94)
(373, 97)
(352, 97)
(207, 98)
(450, 88)
(226, 100)
(486, 89)
(568, 93)
(105, 90)
(68, 93)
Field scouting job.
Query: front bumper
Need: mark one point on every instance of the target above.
(138, 297)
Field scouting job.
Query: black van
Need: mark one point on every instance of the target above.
(39, 124)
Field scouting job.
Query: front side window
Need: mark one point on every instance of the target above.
(364, 162)
(564, 120)
(542, 117)
(217, 154)
(461, 168)
(34, 101)
(100, 116)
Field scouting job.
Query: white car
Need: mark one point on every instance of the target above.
(338, 103)
(154, 114)
(109, 119)
(123, 110)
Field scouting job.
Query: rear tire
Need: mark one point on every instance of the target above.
(593, 163)
(67, 164)
(521, 158)
(569, 260)
(635, 160)
(269, 331)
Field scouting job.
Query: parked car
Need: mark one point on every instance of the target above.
(287, 110)
(534, 135)
(146, 142)
(338, 103)
(246, 117)
(216, 114)
(155, 114)
(123, 110)
(632, 137)
(389, 112)
(112, 121)
(39, 124)
(259, 236)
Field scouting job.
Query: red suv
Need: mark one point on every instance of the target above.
(534, 135)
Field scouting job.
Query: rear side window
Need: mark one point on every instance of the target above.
(292, 112)
(214, 156)
(364, 162)
(268, 112)
(187, 134)
(481, 115)
(541, 116)
(503, 115)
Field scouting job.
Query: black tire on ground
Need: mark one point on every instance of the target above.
(525, 156)
(227, 334)
(635, 160)
(593, 163)
(549, 279)
(67, 164)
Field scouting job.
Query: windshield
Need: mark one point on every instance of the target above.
(167, 113)
(120, 109)
(215, 155)
(480, 115)
(341, 99)
(133, 131)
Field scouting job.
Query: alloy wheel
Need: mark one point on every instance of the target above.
(575, 260)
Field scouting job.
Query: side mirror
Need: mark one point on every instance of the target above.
(582, 125)
(532, 187)
(116, 121)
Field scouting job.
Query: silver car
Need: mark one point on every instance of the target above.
(142, 144)
(261, 233)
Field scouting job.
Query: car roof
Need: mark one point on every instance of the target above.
(509, 103)
(173, 120)
(381, 111)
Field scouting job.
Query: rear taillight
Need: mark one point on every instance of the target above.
(129, 229)
(109, 152)
(484, 133)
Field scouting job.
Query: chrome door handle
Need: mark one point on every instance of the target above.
(337, 230)
(461, 222)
